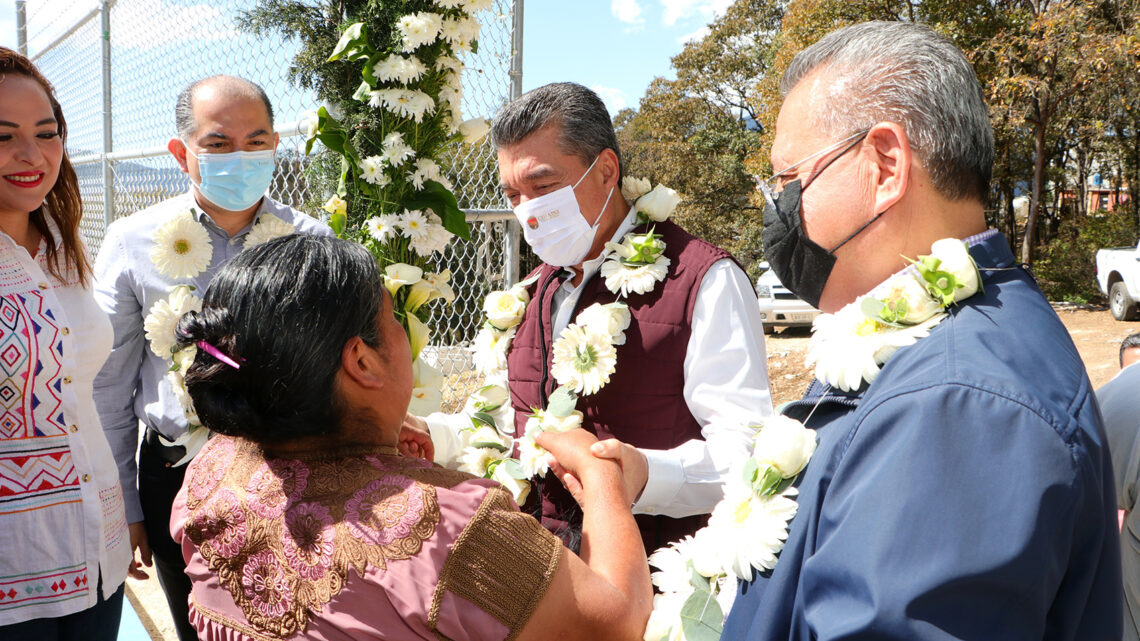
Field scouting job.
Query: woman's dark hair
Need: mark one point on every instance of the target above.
(66, 258)
(283, 311)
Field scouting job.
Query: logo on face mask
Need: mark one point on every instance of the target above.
(532, 222)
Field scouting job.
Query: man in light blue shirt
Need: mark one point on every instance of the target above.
(226, 145)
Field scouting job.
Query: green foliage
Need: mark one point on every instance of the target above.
(1066, 268)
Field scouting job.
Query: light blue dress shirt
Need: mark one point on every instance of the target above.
(132, 387)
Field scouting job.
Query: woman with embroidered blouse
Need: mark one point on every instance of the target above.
(64, 547)
(301, 519)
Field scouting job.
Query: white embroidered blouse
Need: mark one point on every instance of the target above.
(62, 523)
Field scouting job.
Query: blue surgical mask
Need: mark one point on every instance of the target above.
(237, 180)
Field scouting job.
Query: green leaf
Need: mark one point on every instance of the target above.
(562, 402)
(751, 469)
(514, 469)
(767, 480)
(369, 76)
(701, 616)
(338, 222)
(483, 418)
(353, 44)
(491, 445)
(439, 199)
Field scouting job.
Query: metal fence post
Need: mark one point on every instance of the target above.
(108, 142)
(511, 242)
(22, 27)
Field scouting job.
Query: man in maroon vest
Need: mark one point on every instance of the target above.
(691, 375)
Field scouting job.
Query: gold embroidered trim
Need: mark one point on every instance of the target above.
(282, 534)
(230, 623)
(502, 562)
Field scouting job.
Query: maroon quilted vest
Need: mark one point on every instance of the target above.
(643, 404)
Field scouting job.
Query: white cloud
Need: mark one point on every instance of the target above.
(694, 36)
(614, 98)
(169, 24)
(707, 10)
(627, 11)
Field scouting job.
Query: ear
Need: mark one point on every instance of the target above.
(276, 140)
(177, 148)
(361, 364)
(892, 157)
(610, 167)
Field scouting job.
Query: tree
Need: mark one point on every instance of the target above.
(695, 133)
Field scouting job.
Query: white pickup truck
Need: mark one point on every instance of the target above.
(1118, 274)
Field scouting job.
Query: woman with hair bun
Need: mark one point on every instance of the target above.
(300, 518)
(64, 544)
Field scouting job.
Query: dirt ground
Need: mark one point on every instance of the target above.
(1096, 334)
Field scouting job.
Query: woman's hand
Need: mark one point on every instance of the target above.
(415, 438)
(576, 465)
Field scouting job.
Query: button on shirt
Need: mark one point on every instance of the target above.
(726, 389)
(132, 386)
(62, 522)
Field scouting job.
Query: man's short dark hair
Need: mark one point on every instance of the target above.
(1132, 341)
(584, 125)
(184, 107)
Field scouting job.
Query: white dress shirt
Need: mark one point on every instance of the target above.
(726, 390)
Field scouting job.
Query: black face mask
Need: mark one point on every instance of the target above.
(799, 262)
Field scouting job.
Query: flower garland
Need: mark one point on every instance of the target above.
(748, 528)
(182, 250)
(850, 346)
(584, 354)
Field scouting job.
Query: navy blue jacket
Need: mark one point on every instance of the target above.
(966, 494)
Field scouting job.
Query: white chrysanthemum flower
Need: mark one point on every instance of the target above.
(159, 324)
(747, 531)
(475, 460)
(627, 279)
(434, 242)
(470, 28)
(848, 348)
(612, 319)
(659, 203)
(267, 228)
(449, 63)
(665, 621)
(399, 68)
(380, 97)
(548, 422)
(473, 6)
(489, 350)
(428, 168)
(451, 29)
(418, 29)
(395, 155)
(534, 459)
(448, 4)
(393, 139)
(905, 286)
(634, 188)
(382, 227)
(182, 247)
(419, 104)
(583, 360)
(413, 223)
(372, 170)
(674, 566)
(453, 80)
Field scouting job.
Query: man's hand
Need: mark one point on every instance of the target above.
(139, 542)
(574, 465)
(415, 438)
(634, 465)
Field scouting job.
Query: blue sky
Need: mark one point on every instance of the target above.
(616, 47)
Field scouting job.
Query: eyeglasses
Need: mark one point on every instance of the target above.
(772, 187)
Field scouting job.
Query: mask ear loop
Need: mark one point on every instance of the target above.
(610, 195)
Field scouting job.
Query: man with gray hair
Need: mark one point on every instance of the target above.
(152, 267)
(691, 375)
(964, 490)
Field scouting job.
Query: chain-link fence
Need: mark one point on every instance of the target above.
(118, 66)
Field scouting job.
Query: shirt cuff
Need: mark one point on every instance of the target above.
(666, 476)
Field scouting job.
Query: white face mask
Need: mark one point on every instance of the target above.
(554, 227)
